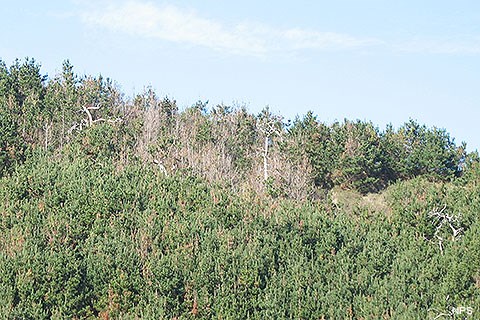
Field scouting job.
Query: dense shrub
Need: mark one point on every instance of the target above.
(87, 238)
(162, 214)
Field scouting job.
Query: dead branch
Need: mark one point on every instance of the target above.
(47, 128)
(161, 167)
(90, 121)
(89, 114)
(107, 120)
(441, 218)
(268, 126)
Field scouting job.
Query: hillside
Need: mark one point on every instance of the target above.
(118, 207)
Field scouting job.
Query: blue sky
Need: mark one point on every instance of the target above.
(378, 60)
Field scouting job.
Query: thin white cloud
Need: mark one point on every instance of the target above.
(448, 46)
(307, 39)
(174, 24)
(171, 24)
(179, 25)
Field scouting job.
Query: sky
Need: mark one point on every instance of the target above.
(372, 60)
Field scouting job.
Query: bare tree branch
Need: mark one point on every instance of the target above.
(107, 120)
(441, 218)
(89, 115)
(90, 121)
(161, 167)
(268, 126)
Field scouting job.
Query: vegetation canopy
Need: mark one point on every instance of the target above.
(116, 207)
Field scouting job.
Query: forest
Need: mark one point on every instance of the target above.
(116, 207)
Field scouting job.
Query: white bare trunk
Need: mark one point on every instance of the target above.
(47, 129)
(265, 159)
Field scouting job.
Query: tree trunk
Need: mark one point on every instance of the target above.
(265, 159)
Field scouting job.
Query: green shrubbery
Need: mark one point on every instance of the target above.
(88, 239)
(161, 214)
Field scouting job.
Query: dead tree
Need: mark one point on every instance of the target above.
(90, 121)
(47, 126)
(161, 167)
(441, 218)
(269, 126)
